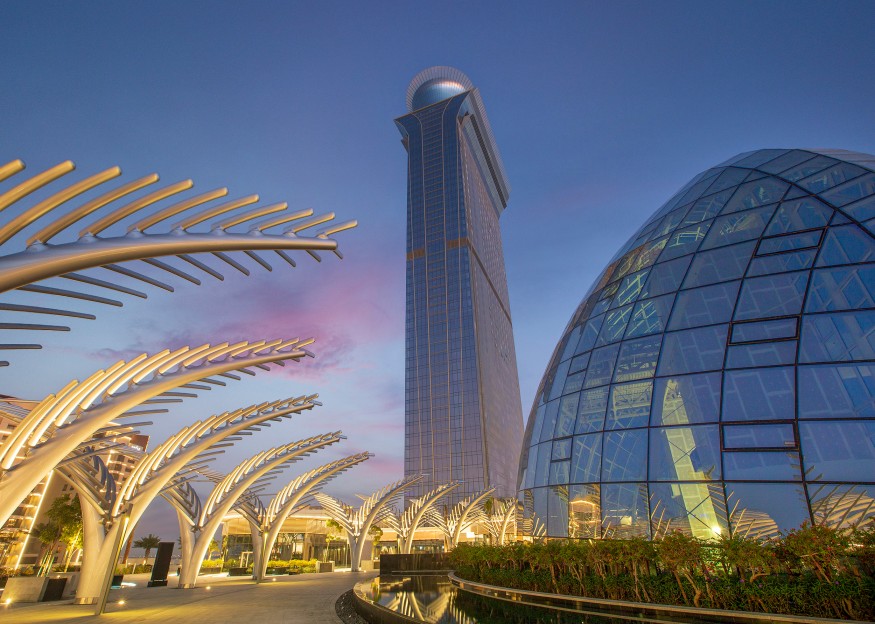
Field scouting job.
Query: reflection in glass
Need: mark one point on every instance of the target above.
(837, 391)
(806, 213)
(842, 288)
(624, 455)
(758, 394)
(761, 466)
(629, 405)
(695, 509)
(637, 359)
(624, 511)
(735, 228)
(685, 453)
(762, 510)
(650, 316)
(838, 450)
(584, 511)
(846, 245)
(761, 354)
(704, 306)
(838, 336)
(842, 506)
(693, 350)
(591, 410)
(601, 366)
(689, 399)
(719, 265)
(771, 295)
(586, 458)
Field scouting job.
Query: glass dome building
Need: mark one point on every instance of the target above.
(720, 374)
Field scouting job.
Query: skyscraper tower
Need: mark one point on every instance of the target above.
(463, 418)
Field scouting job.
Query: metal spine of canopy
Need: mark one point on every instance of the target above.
(357, 521)
(407, 522)
(57, 251)
(452, 522)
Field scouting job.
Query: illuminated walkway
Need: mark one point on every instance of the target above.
(304, 598)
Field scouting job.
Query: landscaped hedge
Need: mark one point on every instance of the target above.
(815, 571)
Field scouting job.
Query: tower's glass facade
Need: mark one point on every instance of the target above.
(463, 418)
(720, 374)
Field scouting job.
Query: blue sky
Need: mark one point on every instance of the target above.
(600, 110)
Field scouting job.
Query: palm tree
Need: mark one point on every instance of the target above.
(147, 542)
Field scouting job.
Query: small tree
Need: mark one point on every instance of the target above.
(376, 533)
(147, 542)
(64, 526)
(333, 531)
(213, 547)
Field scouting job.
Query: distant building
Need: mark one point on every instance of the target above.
(463, 417)
(719, 375)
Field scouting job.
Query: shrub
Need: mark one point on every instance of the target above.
(814, 570)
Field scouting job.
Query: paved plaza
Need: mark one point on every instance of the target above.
(295, 599)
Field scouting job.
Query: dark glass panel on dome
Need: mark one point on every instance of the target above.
(542, 464)
(782, 163)
(842, 506)
(557, 509)
(777, 329)
(629, 405)
(842, 336)
(637, 359)
(783, 262)
(629, 288)
(693, 350)
(837, 391)
(838, 450)
(846, 245)
(758, 436)
(685, 453)
(685, 241)
(670, 222)
(624, 455)
(570, 343)
(686, 400)
(809, 167)
(550, 415)
(729, 177)
(763, 510)
(538, 498)
(589, 334)
(559, 471)
(561, 449)
(567, 415)
(591, 410)
(573, 383)
(584, 511)
(601, 306)
(827, 179)
(538, 424)
(578, 364)
(704, 306)
(601, 366)
(862, 210)
(624, 511)
(719, 265)
(771, 295)
(842, 288)
(706, 208)
(789, 242)
(650, 316)
(738, 227)
(608, 292)
(755, 194)
(758, 394)
(694, 509)
(759, 157)
(559, 380)
(586, 458)
(666, 277)
(839, 219)
(615, 325)
(851, 191)
(801, 214)
(762, 466)
(761, 354)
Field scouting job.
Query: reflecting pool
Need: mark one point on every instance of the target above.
(434, 599)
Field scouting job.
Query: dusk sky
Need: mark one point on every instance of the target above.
(601, 111)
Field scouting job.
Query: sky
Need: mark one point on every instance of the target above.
(601, 111)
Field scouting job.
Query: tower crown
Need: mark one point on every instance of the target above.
(435, 84)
